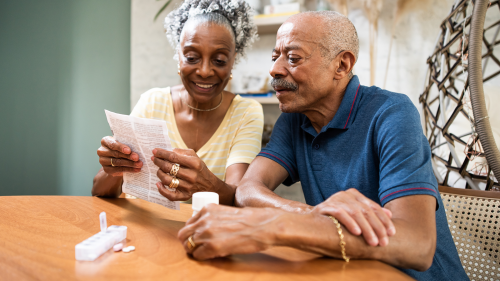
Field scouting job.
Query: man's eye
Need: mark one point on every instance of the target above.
(293, 60)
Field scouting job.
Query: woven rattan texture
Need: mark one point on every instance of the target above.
(474, 224)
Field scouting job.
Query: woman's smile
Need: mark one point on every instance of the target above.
(205, 87)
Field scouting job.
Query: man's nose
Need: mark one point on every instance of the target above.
(278, 69)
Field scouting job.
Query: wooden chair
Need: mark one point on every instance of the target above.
(474, 221)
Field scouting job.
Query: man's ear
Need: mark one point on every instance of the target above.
(345, 63)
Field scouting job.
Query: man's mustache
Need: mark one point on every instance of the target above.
(283, 84)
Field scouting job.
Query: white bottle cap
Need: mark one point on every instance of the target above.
(201, 199)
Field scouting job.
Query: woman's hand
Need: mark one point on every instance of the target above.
(117, 158)
(359, 215)
(193, 174)
(218, 231)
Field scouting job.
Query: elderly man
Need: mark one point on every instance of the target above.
(353, 148)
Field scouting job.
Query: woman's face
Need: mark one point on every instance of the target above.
(206, 59)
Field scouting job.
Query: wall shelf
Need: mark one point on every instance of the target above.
(271, 100)
(269, 24)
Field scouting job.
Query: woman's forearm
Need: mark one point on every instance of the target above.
(226, 193)
(106, 185)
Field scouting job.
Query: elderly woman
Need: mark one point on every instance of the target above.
(215, 133)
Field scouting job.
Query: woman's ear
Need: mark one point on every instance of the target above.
(345, 62)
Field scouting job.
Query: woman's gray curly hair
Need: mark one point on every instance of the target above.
(236, 14)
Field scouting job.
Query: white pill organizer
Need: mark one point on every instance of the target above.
(93, 247)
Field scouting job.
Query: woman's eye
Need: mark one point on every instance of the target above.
(191, 58)
(220, 62)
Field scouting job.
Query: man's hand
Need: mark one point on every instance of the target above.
(219, 231)
(359, 215)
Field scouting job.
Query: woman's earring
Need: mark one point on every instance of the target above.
(231, 76)
(178, 69)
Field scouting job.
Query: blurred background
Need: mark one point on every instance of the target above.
(63, 62)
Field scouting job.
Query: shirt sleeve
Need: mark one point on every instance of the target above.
(141, 108)
(405, 156)
(248, 138)
(280, 147)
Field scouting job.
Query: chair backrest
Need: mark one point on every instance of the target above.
(474, 221)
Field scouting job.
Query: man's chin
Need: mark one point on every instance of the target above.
(288, 102)
(287, 107)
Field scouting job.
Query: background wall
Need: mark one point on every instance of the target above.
(415, 35)
(414, 40)
(61, 64)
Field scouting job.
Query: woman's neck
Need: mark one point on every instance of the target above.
(196, 106)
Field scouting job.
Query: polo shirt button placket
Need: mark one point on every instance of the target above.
(317, 159)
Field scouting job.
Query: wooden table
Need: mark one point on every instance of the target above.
(38, 235)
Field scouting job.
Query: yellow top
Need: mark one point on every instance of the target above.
(237, 140)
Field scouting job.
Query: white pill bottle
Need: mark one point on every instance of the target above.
(201, 199)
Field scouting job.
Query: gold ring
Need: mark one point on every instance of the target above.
(174, 183)
(191, 245)
(174, 170)
(112, 162)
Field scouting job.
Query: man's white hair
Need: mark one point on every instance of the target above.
(339, 34)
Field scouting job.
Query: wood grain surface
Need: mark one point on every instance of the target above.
(470, 192)
(38, 235)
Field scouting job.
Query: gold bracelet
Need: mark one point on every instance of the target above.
(342, 242)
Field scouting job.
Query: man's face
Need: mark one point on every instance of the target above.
(301, 76)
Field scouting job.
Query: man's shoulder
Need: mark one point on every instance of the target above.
(385, 98)
(379, 102)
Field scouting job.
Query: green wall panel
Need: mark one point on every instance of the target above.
(61, 64)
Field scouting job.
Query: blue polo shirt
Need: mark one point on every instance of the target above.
(375, 144)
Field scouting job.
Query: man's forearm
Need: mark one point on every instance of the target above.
(256, 194)
(318, 234)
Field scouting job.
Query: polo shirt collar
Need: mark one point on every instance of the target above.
(343, 117)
